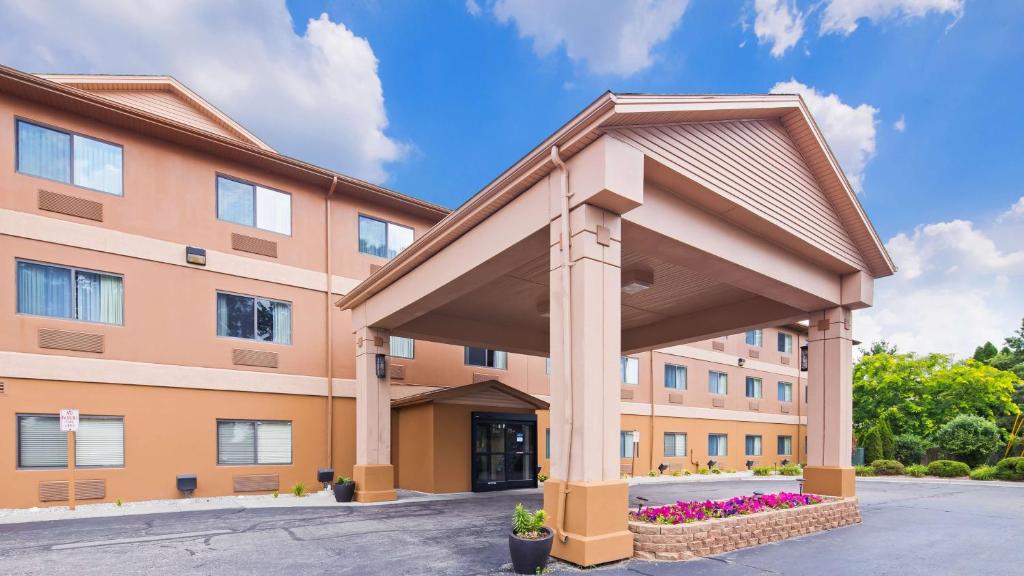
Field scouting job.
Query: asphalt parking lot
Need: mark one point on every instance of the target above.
(909, 528)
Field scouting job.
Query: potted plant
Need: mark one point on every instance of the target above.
(344, 488)
(530, 541)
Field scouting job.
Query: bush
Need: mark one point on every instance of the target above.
(948, 469)
(716, 471)
(984, 473)
(872, 445)
(542, 477)
(887, 439)
(526, 524)
(1010, 468)
(791, 470)
(299, 489)
(968, 438)
(888, 468)
(676, 472)
(916, 470)
(702, 470)
(652, 473)
(910, 448)
(762, 470)
(864, 471)
(343, 480)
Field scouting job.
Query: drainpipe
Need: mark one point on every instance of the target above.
(651, 438)
(566, 339)
(330, 328)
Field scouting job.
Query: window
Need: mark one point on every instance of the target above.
(675, 444)
(61, 292)
(402, 347)
(785, 392)
(753, 445)
(753, 387)
(251, 205)
(99, 442)
(69, 158)
(384, 239)
(254, 318)
(785, 445)
(254, 442)
(675, 377)
(718, 382)
(785, 343)
(486, 358)
(626, 441)
(547, 443)
(755, 338)
(718, 445)
(547, 366)
(630, 370)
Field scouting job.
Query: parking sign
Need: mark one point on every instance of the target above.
(68, 420)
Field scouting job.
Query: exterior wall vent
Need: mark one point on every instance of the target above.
(70, 205)
(398, 372)
(258, 358)
(720, 346)
(754, 354)
(785, 408)
(253, 245)
(784, 360)
(3, 389)
(626, 394)
(718, 402)
(675, 398)
(57, 491)
(754, 405)
(70, 340)
(256, 483)
(481, 377)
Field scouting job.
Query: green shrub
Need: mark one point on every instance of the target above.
(716, 471)
(864, 471)
(527, 524)
(968, 438)
(791, 470)
(916, 470)
(910, 448)
(1010, 468)
(702, 470)
(299, 489)
(872, 445)
(676, 472)
(542, 477)
(762, 470)
(887, 439)
(984, 473)
(948, 469)
(343, 480)
(888, 468)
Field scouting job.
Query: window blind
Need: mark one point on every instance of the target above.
(274, 442)
(100, 442)
(675, 377)
(675, 444)
(236, 442)
(41, 444)
(402, 347)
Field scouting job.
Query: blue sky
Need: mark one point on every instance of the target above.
(918, 99)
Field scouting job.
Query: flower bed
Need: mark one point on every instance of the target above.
(685, 512)
(689, 530)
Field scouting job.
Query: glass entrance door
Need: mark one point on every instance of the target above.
(504, 451)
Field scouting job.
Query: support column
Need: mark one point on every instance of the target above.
(586, 500)
(830, 404)
(373, 473)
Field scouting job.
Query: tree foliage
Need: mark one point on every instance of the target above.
(910, 449)
(967, 438)
(887, 439)
(872, 444)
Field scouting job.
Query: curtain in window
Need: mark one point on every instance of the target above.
(273, 211)
(785, 343)
(399, 238)
(753, 387)
(401, 347)
(373, 237)
(41, 444)
(282, 323)
(44, 290)
(753, 445)
(718, 383)
(675, 445)
(100, 442)
(626, 444)
(97, 165)
(675, 377)
(785, 392)
(111, 299)
(630, 370)
(235, 201)
(717, 445)
(87, 296)
(44, 152)
(500, 360)
(785, 445)
(235, 316)
(236, 443)
(754, 337)
(274, 442)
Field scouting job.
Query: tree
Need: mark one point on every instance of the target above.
(985, 352)
(910, 449)
(872, 445)
(887, 439)
(967, 438)
(879, 347)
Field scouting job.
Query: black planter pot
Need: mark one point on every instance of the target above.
(530, 556)
(344, 492)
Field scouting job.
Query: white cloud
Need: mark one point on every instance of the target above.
(316, 96)
(958, 286)
(1015, 213)
(472, 7)
(610, 36)
(842, 16)
(900, 125)
(850, 131)
(778, 22)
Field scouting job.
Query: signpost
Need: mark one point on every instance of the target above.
(69, 424)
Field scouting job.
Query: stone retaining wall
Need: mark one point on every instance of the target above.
(711, 537)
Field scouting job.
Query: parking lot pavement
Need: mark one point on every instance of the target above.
(908, 528)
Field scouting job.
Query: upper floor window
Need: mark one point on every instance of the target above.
(675, 377)
(62, 292)
(486, 358)
(254, 318)
(785, 343)
(251, 205)
(753, 387)
(630, 370)
(254, 442)
(718, 382)
(99, 442)
(755, 338)
(785, 392)
(69, 158)
(384, 239)
(402, 347)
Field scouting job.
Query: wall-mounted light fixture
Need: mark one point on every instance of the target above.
(637, 280)
(195, 255)
(712, 464)
(741, 361)
(662, 467)
(803, 358)
(382, 367)
(750, 464)
(186, 484)
(785, 461)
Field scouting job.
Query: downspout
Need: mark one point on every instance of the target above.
(330, 327)
(651, 353)
(563, 490)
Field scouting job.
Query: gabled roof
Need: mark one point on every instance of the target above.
(469, 390)
(163, 96)
(612, 111)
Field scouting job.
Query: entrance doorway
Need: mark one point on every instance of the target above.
(504, 451)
